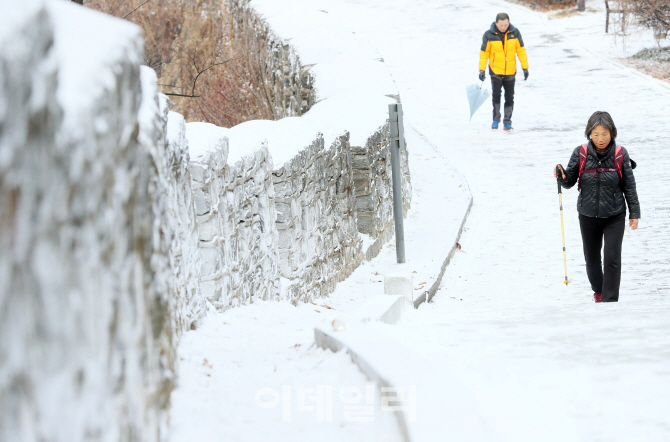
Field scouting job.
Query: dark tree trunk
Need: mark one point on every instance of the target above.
(581, 5)
(79, 2)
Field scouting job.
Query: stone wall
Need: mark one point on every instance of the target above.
(292, 230)
(96, 268)
(114, 241)
(316, 219)
(289, 82)
(235, 216)
(174, 231)
(374, 189)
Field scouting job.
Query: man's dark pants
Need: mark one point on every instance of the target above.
(497, 83)
(593, 232)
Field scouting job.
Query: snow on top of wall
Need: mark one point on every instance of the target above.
(351, 80)
(204, 138)
(87, 43)
(15, 15)
(149, 107)
(287, 136)
(175, 128)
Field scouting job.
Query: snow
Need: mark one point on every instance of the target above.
(204, 138)
(175, 128)
(542, 361)
(352, 72)
(231, 389)
(88, 42)
(367, 241)
(539, 361)
(354, 88)
(444, 401)
(13, 17)
(255, 353)
(286, 137)
(590, 27)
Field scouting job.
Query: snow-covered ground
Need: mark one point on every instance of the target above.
(541, 361)
(234, 355)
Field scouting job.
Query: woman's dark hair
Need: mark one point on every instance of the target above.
(502, 16)
(603, 119)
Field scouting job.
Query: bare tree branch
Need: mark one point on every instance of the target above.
(181, 95)
(118, 5)
(195, 79)
(147, 1)
(206, 69)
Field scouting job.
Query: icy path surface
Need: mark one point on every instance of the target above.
(543, 362)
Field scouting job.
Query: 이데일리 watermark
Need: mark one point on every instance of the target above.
(355, 404)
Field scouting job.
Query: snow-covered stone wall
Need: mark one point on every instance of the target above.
(121, 225)
(175, 237)
(98, 273)
(315, 202)
(235, 216)
(374, 189)
(291, 83)
(291, 229)
(288, 208)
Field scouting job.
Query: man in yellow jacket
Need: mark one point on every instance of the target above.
(500, 47)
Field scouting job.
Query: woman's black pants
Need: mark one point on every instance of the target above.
(604, 279)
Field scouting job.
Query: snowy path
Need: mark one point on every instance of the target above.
(543, 361)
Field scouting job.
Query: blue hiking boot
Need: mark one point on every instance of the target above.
(495, 124)
(508, 128)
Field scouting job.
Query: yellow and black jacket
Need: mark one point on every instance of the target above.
(500, 50)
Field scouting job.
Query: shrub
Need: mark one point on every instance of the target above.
(212, 67)
(652, 14)
(551, 4)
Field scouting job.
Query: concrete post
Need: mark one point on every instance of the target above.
(397, 141)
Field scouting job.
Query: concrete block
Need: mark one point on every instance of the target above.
(399, 284)
(382, 308)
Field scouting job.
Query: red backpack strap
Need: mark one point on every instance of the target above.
(583, 155)
(618, 161)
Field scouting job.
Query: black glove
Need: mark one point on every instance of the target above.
(482, 76)
(525, 74)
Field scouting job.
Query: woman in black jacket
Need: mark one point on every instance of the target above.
(601, 205)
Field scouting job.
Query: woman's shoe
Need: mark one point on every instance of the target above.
(598, 297)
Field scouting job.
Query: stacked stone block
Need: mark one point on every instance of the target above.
(316, 219)
(289, 82)
(87, 348)
(235, 217)
(175, 229)
(371, 165)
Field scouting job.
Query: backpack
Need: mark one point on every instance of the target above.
(583, 155)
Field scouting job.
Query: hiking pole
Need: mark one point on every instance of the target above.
(559, 174)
